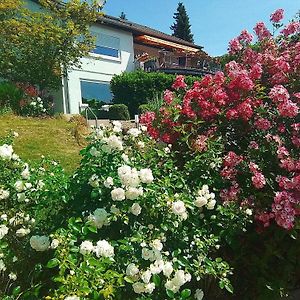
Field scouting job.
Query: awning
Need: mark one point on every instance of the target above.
(150, 40)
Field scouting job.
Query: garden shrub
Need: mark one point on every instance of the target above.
(25, 100)
(136, 88)
(10, 96)
(118, 112)
(252, 108)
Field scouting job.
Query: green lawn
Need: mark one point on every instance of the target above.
(52, 138)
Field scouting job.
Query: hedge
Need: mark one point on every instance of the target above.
(139, 87)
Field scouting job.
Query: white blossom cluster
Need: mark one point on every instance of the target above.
(179, 279)
(72, 298)
(131, 180)
(6, 152)
(205, 198)
(4, 194)
(179, 209)
(102, 248)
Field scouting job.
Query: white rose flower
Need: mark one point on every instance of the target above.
(178, 208)
(200, 201)
(134, 132)
(3, 217)
(157, 266)
(141, 144)
(22, 232)
(86, 247)
(138, 287)
(114, 143)
(118, 194)
(40, 184)
(143, 128)
(132, 270)
(211, 204)
(125, 157)
(168, 269)
(19, 186)
(94, 181)
(146, 276)
(146, 175)
(117, 126)
(108, 182)
(148, 254)
(199, 294)
(104, 249)
(54, 244)
(135, 209)
(156, 244)
(21, 197)
(72, 298)
(3, 231)
(12, 276)
(249, 212)
(6, 152)
(25, 173)
(170, 285)
(149, 288)
(133, 193)
(28, 185)
(4, 194)
(40, 243)
(2, 266)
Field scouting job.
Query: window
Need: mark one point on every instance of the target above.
(95, 90)
(107, 45)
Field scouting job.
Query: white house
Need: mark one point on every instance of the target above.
(122, 46)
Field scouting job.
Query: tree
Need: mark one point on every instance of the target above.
(36, 47)
(181, 27)
(123, 16)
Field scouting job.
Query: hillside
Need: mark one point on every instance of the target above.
(53, 138)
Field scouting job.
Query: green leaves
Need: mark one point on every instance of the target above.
(52, 263)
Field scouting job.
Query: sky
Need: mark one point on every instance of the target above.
(213, 22)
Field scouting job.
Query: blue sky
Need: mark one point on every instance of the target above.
(214, 22)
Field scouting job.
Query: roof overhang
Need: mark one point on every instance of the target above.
(150, 40)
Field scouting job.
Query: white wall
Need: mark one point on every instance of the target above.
(99, 67)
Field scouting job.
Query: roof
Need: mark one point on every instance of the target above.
(138, 29)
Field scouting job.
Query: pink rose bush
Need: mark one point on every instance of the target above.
(253, 107)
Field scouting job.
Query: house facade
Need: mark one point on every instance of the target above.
(123, 46)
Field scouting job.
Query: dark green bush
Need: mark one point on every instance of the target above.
(10, 96)
(136, 88)
(119, 112)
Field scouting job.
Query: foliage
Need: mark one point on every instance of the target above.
(25, 100)
(253, 109)
(136, 88)
(36, 47)
(119, 112)
(181, 27)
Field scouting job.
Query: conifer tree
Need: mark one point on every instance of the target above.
(181, 27)
(123, 16)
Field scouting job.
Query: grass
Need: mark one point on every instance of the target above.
(53, 138)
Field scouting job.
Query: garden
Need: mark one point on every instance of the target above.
(202, 201)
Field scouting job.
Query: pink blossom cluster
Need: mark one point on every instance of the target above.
(257, 97)
(277, 16)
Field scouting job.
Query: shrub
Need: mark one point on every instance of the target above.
(119, 112)
(136, 88)
(252, 108)
(10, 96)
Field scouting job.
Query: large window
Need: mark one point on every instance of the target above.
(107, 45)
(95, 90)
